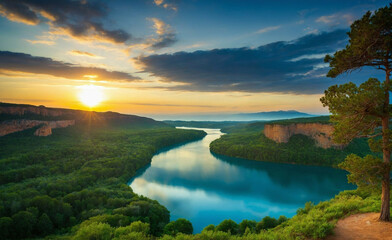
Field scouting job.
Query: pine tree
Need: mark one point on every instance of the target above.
(360, 111)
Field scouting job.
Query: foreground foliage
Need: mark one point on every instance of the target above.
(77, 176)
(311, 222)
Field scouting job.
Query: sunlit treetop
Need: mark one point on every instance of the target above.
(370, 44)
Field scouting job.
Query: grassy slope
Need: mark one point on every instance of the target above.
(311, 222)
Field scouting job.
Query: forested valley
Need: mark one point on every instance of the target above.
(51, 184)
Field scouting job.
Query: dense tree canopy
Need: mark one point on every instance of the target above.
(77, 176)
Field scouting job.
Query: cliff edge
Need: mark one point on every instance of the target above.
(7, 127)
(321, 133)
(19, 117)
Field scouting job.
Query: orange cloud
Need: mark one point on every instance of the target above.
(166, 4)
(62, 15)
(46, 42)
(160, 26)
(83, 54)
(166, 37)
(23, 14)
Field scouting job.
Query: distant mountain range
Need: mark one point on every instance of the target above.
(258, 116)
(9, 111)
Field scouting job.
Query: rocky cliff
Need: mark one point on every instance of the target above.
(19, 117)
(21, 110)
(7, 127)
(321, 133)
(9, 111)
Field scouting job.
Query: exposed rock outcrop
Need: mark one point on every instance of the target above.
(11, 126)
(321, 133)
(43, 131)
(27, 109)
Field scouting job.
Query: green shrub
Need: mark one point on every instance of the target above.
(181, 225)
(94, 231)
(282, 219)
(266, 223)
(133, 236)
(228, 226)
(137, 226)
(247, 224)
(210, 227)
(306, 209)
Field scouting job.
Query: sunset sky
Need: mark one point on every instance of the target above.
(173, 57)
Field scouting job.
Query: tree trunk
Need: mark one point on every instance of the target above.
(385, 196)
(386, 185)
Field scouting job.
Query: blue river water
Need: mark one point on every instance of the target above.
(206, 188)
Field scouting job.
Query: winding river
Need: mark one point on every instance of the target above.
(205, 188)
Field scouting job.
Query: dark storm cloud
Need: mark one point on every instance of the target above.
(21, 62)
(79, 19)
(295, 66)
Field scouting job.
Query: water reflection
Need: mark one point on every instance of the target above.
(206, 188)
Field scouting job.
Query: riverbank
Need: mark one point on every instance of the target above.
(300, 149)
(206, 189)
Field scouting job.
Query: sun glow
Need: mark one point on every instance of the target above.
(91, 95)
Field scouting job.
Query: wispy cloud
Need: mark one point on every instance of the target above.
(160, 26)
(83, 54)
(166, 35)
(267, 29)
(46, 42)
(326, 19)
(172, 5)
(336, 19)
(310, 30)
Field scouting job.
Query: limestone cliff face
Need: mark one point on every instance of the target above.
(61, 117)
(7, 127)
(321, 133)
(40, 110)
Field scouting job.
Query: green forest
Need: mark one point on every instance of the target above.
(72, 185)
(77, 176)
(248, 141)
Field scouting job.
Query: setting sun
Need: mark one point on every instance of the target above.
(91, 95)
(142, 120)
